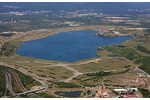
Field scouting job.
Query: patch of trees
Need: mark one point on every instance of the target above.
(27, 81)
(7, 35)
(2, 83)
(8, 48)
(66, 85)
(90, 79)
(124, 52)
(45, 95)
(24, 96)
(145, 93)
(127, 66)
(145, 64)
(102, 73)
(143, 49)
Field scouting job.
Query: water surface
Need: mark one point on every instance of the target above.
(68, 46)
(70, 94)
(113, 55)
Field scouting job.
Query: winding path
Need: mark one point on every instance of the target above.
(137, 68)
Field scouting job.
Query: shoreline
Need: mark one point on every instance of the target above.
(45, 33)
(79, 59)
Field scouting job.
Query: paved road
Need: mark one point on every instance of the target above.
(9, 86)
(9, 83)
(32, 91)
(18, 82)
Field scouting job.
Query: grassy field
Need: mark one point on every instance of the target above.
(122, 79)
(88, 80)
(53, 72)
(105, 64)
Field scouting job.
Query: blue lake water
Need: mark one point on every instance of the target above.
(71, 94)
(68, 46)
(113, 55)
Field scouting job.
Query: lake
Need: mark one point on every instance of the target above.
(68, 46)
(73, 94)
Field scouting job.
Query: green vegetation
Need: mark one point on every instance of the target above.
(90, 79)
(107, 81)
(2, 82)
(102, 73)
(45, 95)
(62, 93)
(143, 49)
(145, 61)
(8, 48)
(7, 35)
(42, 75)
(24, 96)
(27, 81)
(15, 88)
(66, 85)
(103, 65)
(145, 93)
(8, 92)
(128, 53)
(127, 66)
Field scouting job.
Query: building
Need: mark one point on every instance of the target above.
(97, 94)
(112, 95)
(120, 90)
(130, 96)
(104, 92)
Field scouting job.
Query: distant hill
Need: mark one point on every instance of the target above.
(104, 7)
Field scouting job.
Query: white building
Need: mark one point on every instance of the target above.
(120, 90)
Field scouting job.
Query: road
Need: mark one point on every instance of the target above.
(9, 83)
(137, 68)
(17, 81)
(32, 91)
(9, 86)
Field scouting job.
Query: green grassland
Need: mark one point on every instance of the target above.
(118, 78)
(102, 65)
(137, 50)
(56, 72)
(8, 48)
(26, 61)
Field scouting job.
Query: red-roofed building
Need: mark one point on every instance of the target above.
(129, 96)
(104, 92)
(112, 95)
